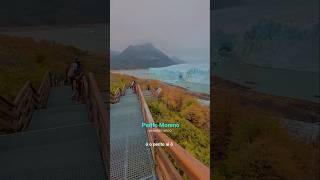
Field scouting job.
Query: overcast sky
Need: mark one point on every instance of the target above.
(178, 27)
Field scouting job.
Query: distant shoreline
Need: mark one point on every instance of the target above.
(199, 95)
(288, 107)
(120, 70)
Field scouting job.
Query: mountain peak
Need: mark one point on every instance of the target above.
(141, 56)
(148, 45)
(142, 46)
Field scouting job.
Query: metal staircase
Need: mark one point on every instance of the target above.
(130, 158)
(57, 140)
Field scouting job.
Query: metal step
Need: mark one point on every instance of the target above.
(130, 158)
(59, 153)
(54, 118)
(60, 96)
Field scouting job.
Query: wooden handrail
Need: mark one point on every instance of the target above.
(123, 90)
(166, 166)
(19, 112)
(116, 97)
(21, 93)
(6, 102)
(118, 93)
(192, 167)
(98, 114)
(43, 92)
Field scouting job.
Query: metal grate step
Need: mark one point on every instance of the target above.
(59, 153)
(130, 158)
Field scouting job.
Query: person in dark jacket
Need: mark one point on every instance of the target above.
(74, 75)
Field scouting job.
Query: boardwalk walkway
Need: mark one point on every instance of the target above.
(130, 159)
(60, 143)
(47, 136)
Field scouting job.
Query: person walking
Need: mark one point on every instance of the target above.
(74, 74)
(71, 72)
(133, 86)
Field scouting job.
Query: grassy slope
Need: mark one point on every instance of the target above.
(248, 141)
(23, 59)
(176, 105)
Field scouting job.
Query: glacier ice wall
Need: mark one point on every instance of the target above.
(194, 73)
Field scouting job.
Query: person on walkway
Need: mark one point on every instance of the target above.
(71, 72)
(133, 86)
(78, 82)
(74, 74)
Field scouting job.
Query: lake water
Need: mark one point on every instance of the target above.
(297, 84)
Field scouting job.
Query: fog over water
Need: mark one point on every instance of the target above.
(180, 28)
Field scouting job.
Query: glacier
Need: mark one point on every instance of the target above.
(194, 73)
(195, 77)
(191, 76)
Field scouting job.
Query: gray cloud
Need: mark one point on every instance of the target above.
(178, 27)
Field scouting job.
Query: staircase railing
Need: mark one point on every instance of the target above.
(97, 114)
(15, 116)
(7, 116)
(115, 98)
(192, 167)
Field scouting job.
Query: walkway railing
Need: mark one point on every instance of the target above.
(115, 98)
(98, 114)
(15, 116)
(192, 167)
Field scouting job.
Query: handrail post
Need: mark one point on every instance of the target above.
(193, 168)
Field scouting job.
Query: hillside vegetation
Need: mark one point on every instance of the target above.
(249, 142)
(23, 59)
(174, 105)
